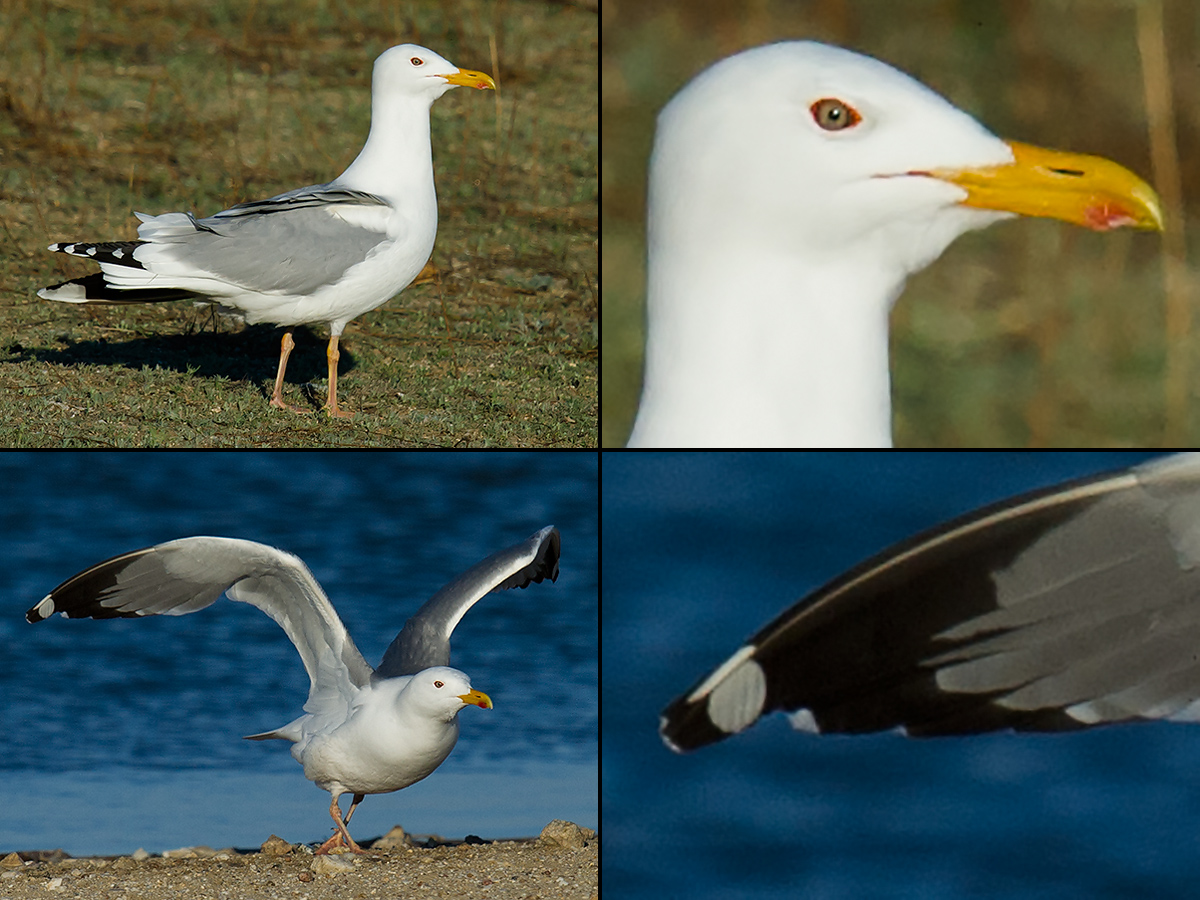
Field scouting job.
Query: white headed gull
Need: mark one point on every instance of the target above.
(364, 731)
(324, 253)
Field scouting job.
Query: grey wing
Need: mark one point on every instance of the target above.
(425, 639)
(1066, 608)
(185, 575)
(291, 244)
(313, 195)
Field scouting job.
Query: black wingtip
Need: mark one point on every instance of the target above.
(544, 564)
(554, 539)
(95, 289)
(685, 727)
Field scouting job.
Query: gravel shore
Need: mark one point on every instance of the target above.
(561, 863)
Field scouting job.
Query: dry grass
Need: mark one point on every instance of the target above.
(194, 105)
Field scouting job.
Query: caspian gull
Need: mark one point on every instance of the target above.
(1057, 610)
(365, 731)
(324, 253)
(793, 189)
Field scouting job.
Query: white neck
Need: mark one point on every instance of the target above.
(396, 162)
(751, 347)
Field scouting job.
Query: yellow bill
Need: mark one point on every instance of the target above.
(467, 78)
(476, 698)
(1085, 190)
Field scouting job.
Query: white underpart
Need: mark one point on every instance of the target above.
(396, 733)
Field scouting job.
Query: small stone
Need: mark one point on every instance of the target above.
(331, 864)
(139, 854)
(12, 861)
(276, 846)
(396, 839)
(562, 834)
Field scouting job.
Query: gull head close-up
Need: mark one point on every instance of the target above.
(793, 189)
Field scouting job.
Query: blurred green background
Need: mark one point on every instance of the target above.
(1029, 334)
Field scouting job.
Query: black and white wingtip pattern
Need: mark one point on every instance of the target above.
(545, 546)
(156, 580)
(95, 288)
(117, 252)
(41, 610)
(1069, 607)
(729, 700)
(87, 594)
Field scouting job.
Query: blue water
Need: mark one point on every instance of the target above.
(700, 551)
(125, 733)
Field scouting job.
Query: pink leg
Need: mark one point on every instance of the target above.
(341, 837)
(277, 395)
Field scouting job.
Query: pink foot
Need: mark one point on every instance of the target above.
(337, 841)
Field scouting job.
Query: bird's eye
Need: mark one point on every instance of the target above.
(834, 115)
(417, 61)
(439, 684)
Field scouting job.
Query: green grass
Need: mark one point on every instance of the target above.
(192, 105)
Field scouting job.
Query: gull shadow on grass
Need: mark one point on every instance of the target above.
(251, 354)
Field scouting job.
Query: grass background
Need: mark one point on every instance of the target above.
(1029, 334)
(161, 105)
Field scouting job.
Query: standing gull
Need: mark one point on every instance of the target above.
(364, 731)
(793, 189)
(324, 253)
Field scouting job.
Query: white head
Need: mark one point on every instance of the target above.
(411, 69)
(395, 161)
(750, 131)
(440, 692)
(793, 189)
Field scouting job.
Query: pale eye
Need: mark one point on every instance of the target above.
(834, 115)
(438, 684)
(417, 61)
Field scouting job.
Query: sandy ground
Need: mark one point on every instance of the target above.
(561, 863)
